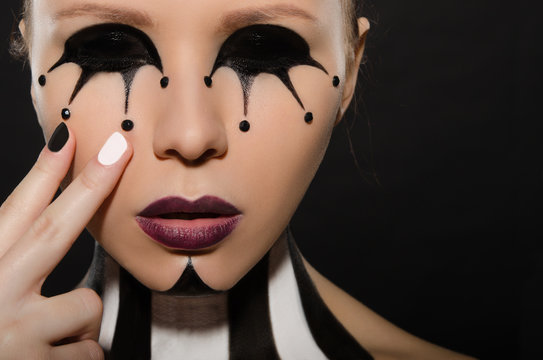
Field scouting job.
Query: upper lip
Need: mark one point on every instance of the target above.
(175, 204)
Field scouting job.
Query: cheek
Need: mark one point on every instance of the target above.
(96, 112)
(272, 166)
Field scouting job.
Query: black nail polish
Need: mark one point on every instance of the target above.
(59, 138)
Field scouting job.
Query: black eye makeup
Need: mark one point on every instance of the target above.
(263, 48)
(109, 48)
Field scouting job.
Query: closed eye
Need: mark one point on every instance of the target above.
(264, 48)
(109, 47)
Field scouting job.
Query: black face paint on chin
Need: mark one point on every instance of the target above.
(190, 284)
(109, 48)
(264, 48)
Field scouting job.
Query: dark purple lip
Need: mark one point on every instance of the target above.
(175, 204)
(189, 225)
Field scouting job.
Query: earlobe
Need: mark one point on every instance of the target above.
(352, 72)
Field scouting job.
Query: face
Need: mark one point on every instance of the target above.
(230, 108)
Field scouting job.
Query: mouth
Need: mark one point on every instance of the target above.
(181, 224)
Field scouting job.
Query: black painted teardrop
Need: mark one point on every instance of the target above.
(244, 126)
(164, 82)
(65, 113)
(127, 125)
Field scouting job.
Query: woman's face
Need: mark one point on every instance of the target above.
(186, 136)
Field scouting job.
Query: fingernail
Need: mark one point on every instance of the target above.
(59, 138)
(113, 149)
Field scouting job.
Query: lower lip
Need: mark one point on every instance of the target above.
(188, 234)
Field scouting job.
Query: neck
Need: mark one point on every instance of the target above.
(273, 312)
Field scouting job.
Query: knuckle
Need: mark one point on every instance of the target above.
(44, 226)
(44, 169)
(14, 343)
(10, 207)
(91, 179)
(91, 302)
(94, 350)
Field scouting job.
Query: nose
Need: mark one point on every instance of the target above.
(191, 128)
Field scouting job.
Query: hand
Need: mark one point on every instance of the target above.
(35, 235)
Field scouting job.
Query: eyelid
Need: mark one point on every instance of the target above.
(80, 29)
(227, 36)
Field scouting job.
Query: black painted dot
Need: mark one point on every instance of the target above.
(208, 81)
(308, 117)
(164, 82)
(66, 114)
(335, 81)
(42, 80)
(244, 126)
(127, 125)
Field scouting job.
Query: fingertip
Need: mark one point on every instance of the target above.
(60, 144)
(114, 149)
(59, 138)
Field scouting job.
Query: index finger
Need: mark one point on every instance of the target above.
(32, 258)
(36, 190)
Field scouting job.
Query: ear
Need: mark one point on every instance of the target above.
(22, 27)
(352, 73)
(22, 30)
(24, 35)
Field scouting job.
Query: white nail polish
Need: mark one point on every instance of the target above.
(113, 149)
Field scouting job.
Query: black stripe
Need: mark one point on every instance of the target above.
(331, 337)
(251, 334)
(132, 339)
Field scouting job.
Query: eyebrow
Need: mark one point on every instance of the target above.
(109, 13)
(237, 19)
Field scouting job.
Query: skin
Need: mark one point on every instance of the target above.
(185, 138)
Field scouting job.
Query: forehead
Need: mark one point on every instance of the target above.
(145, 13)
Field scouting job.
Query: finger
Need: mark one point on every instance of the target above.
(76, 314)
(50, 237)
(36, 190)
(82, 350)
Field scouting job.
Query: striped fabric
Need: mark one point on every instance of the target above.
(274, 312)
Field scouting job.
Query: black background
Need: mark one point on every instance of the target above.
(438, 229)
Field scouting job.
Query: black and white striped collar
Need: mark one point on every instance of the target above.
(274, 312)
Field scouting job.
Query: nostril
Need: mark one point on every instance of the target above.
(208, 154)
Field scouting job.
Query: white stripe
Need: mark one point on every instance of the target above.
(110, 299)
(292, 336)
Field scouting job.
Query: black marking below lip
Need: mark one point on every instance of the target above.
(264, 48)
(190, 284)
(109, 48)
